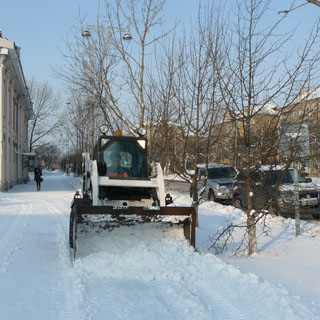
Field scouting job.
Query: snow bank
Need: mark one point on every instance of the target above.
(138, 253)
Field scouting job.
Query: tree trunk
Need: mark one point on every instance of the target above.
(252, 239)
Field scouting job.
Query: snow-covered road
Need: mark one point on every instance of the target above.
(131, 273)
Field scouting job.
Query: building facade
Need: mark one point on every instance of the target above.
(15, 111)
(305, 110)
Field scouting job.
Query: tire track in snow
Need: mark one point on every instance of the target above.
(220, 307)
(203, 301)
(71, 286)
(137, 299)
(8, 246)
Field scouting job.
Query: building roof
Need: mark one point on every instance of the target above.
(306, 95)
(266, 109)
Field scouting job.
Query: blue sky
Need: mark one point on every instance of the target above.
(39, 27)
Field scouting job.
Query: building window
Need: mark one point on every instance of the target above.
(308, 109)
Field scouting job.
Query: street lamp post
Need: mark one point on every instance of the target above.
(66, 162)
(293, 138)
(87, 34)
(296, 198)
(66, 156)
(68, 159)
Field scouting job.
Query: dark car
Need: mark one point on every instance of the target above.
(273, 188)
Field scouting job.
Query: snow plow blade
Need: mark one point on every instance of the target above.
(108, 217)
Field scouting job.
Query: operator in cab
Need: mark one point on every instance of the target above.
(116, 170)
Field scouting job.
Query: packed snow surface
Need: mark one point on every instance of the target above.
(146, 271)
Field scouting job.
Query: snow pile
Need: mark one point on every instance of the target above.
(283, 259)
(140, 255)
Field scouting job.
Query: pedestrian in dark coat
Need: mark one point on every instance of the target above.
(37, 178)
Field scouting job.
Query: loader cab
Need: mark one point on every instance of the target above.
(122, 157)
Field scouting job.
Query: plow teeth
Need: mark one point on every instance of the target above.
(108, 217)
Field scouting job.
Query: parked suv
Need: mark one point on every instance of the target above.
(281, 200)
(218, 184)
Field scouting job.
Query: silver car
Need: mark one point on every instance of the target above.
(218, 184)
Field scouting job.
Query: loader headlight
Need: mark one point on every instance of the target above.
(142, 131)
(142, 143)
(103, 128)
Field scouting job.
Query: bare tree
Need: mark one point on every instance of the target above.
(46, 112)
(162, 113)
(293, 7)
(197, 95)
(141, 17)
(79, 127)
(258, 77)
(110, 70)
(47, 154)
(90, 73)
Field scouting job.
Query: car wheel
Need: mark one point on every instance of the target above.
(211, 196)
(274, 209)
(236, 202)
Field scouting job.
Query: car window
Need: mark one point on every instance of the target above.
(274, 176)
(201, 173)
(289, 177)
(221, 172)
(240, 176)
(279, 175)
(255, 176)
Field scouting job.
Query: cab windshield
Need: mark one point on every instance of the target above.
(125, 159)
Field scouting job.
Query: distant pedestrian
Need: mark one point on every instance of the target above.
(37, 178)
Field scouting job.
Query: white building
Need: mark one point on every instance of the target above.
(15, 111)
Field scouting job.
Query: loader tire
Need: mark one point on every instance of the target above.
(71, 227)
(70, 233)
